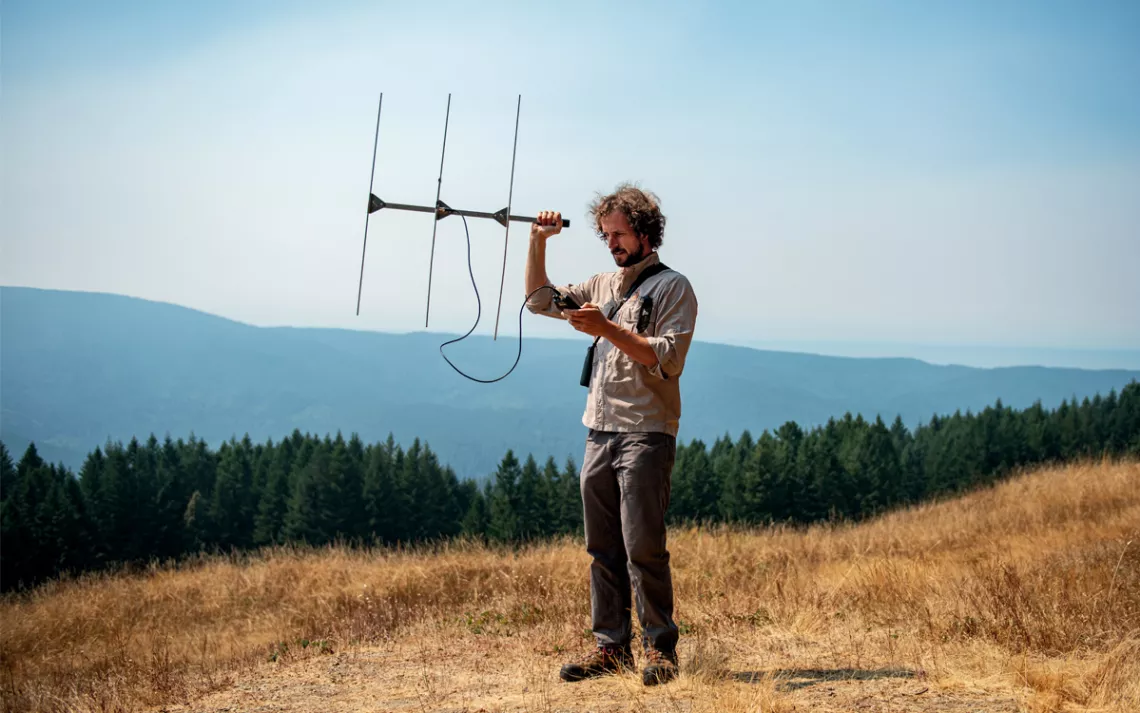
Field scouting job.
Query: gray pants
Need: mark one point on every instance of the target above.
(626, 479)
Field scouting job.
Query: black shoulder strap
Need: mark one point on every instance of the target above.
(645, 275)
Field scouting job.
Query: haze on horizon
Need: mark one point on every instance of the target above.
(953, 181)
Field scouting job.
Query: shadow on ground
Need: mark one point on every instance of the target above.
(791, 679)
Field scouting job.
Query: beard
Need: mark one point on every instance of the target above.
(625, 259)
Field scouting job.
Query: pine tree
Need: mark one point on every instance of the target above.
(435, 497)
(380, 493)
(742, 454)
(529, 504)
(1108, 407)
(232, 505)
(851, 486)
(553, 494)
(22, 534)
(144, 472)
(269, 522)
(570, 499)
(1096, 428)
(30, 461)
(1126, 421)
(879, 479)
(734, 475)
(342, 492)
(196, 523)
(306, 519)
(74, 525)
(477, 520)
(171, 499)
(1068, 429)
(10, 525)
(948, 467)
(410, 493)
(723, 467)
(64, 542)
(820, 488)
(401, 503)
(901, 437)
(91, 489)
(466, 491)
(504, 521)
(42, 524)
(782, 489)
(683, 499)
(912, 464)
(261, 459)
(354, 513)
(117, 514)
(764, 494)
(696, 491)
(7, 473)
(199, 467)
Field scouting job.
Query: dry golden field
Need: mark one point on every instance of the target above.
(1024, 597)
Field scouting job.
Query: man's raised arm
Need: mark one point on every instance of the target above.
(547, 224)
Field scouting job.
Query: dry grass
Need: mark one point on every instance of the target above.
(1025, 597)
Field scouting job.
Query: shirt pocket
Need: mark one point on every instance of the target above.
(627, 317)
(632, 319)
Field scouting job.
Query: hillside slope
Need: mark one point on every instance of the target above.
(79, 368)
(1023, 596)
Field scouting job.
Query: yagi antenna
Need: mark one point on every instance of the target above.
(441, 210)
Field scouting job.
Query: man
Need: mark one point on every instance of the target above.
(632, 412)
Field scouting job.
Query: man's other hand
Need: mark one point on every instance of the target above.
(590, 320)
(546, 224)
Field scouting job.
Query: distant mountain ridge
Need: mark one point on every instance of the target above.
(79, 368)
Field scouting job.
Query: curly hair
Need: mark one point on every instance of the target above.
(641, 208)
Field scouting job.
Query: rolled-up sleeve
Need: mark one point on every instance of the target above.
(542, 301)
(676, 320)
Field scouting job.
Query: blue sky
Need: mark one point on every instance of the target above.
(955, 181)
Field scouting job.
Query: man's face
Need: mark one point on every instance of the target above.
(626, 247)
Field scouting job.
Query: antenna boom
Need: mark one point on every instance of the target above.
(442, 210)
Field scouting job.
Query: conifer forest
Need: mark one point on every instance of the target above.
(162, 500)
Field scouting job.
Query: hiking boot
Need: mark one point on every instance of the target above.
(603, 660)
(660, 667)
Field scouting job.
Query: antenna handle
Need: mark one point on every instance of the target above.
(530, 219)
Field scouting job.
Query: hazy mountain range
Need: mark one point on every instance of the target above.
(79, 368)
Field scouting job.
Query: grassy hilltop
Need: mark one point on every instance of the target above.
(1024, 596)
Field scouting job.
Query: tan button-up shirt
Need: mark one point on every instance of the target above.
(625, 395)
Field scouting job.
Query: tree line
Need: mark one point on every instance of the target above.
(152, 500)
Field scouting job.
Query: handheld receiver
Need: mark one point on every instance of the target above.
(565, 302)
